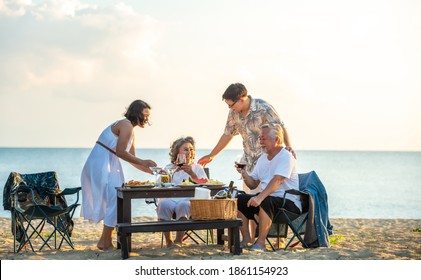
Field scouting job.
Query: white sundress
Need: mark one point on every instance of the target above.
(101, 174)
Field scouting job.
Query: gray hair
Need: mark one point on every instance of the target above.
(275, 130)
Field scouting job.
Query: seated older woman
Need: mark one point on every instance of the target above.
(179, 206)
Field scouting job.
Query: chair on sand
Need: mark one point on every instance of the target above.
(312, 226)
(296, 222)
(37, 205)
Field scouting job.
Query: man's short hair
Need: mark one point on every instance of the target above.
(234, 92)
(275, 130)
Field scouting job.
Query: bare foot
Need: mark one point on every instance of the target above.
(109, 248)
(244, 245)
(102, 247)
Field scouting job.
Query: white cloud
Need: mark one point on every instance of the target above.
(59, 44)
(310, 60)
(14, 8)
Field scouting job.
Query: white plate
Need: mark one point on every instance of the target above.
(213, 185)
(139, 186)
(189, 186)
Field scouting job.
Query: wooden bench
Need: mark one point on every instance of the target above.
(124, 230)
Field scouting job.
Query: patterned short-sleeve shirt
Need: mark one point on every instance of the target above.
(248, 127)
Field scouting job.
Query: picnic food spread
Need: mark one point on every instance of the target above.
(201, 181)
(139, 183)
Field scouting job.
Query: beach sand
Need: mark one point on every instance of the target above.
(353, 239)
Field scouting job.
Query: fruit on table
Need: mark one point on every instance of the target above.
(198, 180)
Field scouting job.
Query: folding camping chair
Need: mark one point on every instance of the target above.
(313, 222)
(276, 231)
(36, 204)
(296, 222)
(285, 219)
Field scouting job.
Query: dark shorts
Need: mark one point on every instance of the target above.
(270, 205)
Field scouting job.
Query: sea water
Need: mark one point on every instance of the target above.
(384, 185)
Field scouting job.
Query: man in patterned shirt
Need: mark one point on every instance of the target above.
(246, 116)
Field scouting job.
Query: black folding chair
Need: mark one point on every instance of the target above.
(285, 219)
(296, 222)
(36, 200)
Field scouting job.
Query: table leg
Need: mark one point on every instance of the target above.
(234, 238)
(127, 218)
(119, 218)
(124, 215)
(124, 248)
(219, 234)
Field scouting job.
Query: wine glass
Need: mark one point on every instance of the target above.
(240, 162)
(181, 160)
(171, 171)
(155, 170)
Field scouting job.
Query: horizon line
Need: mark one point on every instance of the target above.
(233, 149)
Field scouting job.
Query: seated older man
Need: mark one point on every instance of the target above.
(276, 172)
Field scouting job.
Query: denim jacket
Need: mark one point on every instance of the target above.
(318, 226)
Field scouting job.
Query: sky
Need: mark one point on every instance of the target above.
(343, 75)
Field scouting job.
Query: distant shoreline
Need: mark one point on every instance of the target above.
(230, 149)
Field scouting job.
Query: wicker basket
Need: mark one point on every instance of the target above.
(213, 209)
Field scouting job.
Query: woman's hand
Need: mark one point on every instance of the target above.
(189, 170)
(291, 150)
(147, 163)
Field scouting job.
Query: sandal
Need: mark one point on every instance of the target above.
(257, 248)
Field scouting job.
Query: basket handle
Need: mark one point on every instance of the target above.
(227, 204)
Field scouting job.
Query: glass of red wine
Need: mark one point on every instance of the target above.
(181, 160)
(240, 162)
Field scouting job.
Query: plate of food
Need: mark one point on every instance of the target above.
(136, 184)
(197, 182)
(213, 182)
(189, 185)
(214, 185)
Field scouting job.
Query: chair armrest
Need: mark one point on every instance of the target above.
(294, 192)
(20, 188)
(68, 191)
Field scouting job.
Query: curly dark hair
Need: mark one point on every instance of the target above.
(175, 147)
(135, 112)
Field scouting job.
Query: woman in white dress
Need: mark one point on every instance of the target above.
(102, 172)
(179, 206)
